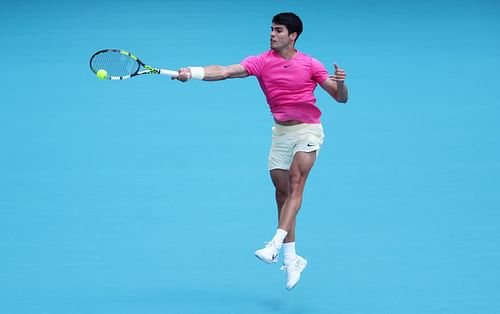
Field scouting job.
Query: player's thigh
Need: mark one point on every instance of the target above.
(280, 179)
(302, 164)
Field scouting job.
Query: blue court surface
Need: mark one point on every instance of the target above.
(150, 195)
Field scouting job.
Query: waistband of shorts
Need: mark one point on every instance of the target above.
(296, 127)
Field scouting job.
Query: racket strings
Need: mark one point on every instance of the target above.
(115, 63)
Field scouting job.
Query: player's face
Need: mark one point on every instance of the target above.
(280, 38)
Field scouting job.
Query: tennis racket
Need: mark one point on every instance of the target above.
(121, 65)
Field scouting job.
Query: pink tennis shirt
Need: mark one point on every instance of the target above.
(288, 84)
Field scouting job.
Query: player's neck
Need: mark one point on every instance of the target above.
(287, 52)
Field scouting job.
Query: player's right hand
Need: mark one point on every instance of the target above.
(184, 75)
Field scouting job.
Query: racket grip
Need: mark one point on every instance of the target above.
(169, 73)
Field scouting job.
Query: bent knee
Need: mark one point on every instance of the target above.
(296, 184)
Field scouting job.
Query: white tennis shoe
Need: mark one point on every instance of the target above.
(293, 271)
(269, 254)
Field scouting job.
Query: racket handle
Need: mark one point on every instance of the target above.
(169, 73)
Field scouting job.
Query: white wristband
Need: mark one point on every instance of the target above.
(197, 73)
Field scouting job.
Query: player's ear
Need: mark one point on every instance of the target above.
(293, 36)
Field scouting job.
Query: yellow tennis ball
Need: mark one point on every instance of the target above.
(102, 74)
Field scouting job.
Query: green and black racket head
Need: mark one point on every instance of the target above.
(121, 64)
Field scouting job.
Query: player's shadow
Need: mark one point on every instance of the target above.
(210, 300)
(283, 306)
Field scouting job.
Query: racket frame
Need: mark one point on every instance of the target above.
(147, 68)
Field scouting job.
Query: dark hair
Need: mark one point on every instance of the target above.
(290, 20)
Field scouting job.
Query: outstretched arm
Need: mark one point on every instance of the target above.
(335, 85)
(212, 72)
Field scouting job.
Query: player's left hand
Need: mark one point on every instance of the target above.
(339, 75)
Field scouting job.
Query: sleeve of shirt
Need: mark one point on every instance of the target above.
(320, 74)
(253, 65)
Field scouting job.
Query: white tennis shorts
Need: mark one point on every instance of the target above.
(287, 140)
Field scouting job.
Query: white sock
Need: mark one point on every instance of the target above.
(289, 252)
(279, 237)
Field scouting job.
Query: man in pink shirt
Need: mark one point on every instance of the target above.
(288, 79)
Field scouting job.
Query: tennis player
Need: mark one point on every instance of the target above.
(288, 79)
